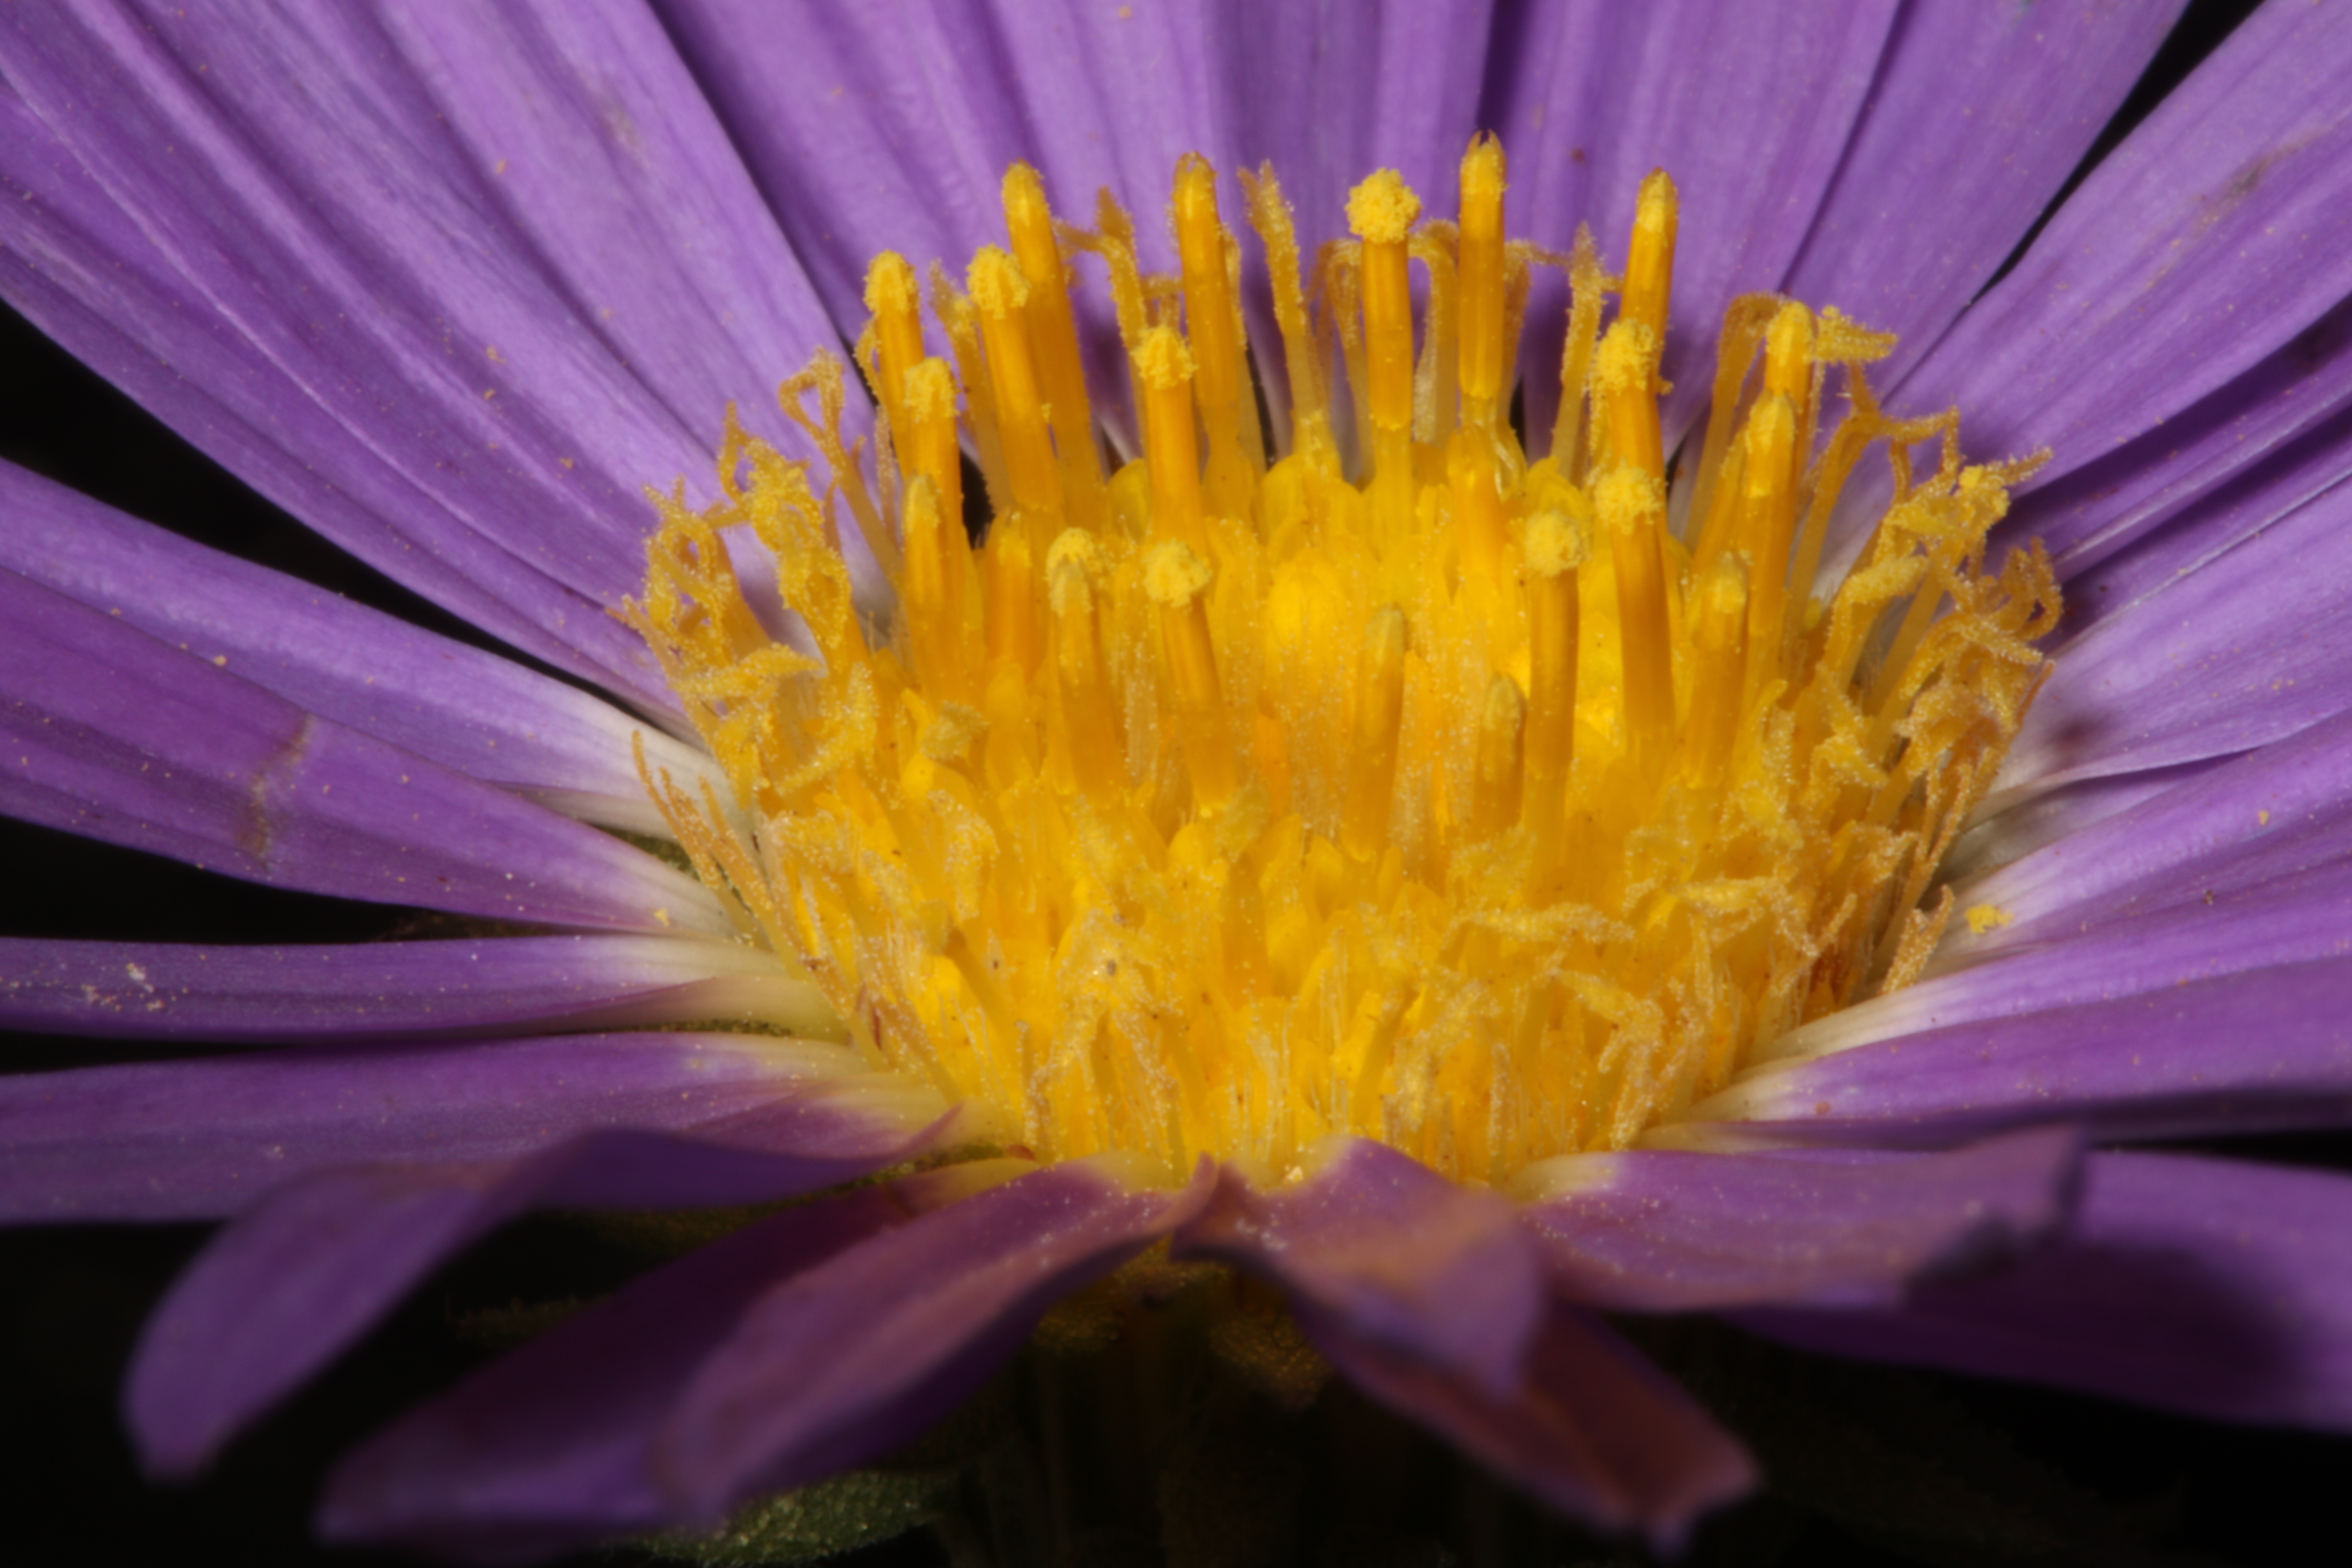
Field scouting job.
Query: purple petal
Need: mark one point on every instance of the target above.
(2218, 231)
(1976, 116)
(108, 732)
(866, 130)
(2023, 819)
(1330, 93)
(2206, 1286)
(552, 1445)
(1593, 1430)
(2221, 649)
(855, 1355)
(1384, 1245)
(2259, 1049)
(365, 300)
(486, 717)
(2256, 819)
(1749, 107)
(298, 1279)
(199, 1140)
(414, 990)
(2286, 417)
(2301, 918)
(1653, 1230)
(618, 179)
(100, 288)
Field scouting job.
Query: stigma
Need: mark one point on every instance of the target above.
(1346, 759)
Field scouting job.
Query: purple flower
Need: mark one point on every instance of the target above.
(454, 290)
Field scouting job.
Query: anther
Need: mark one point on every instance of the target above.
(1719, 614)
(1480, 270)
(895, 299)
(1163, 373)
(1632, 507)
(1495, 787)
(1212, 320)
(1382, 212)
(1650, 265)
(1178, 579)
(927, 444)
(938, 568)
(1555, 545)
(1054, 337)
(1372, 747)
(1483, 532)
(1767, 520)
(1088, 713)
(1001, 295)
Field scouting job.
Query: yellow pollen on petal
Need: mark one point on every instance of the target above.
(1494, 794)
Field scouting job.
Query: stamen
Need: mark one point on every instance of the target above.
(1372, 757)
(1556, 547)
(1163, 370)
(1502, 721)
(1481, 282)
(1177, 579)
(1381, 213)
(1212, 319)
(1002, 295)
(1221, 808)
(1088, 713)
(938, 568)
(1650, 265)
(1632, 507)
(896, 300)
(1054, 333)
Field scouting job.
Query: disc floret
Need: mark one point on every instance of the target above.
(1352, 774)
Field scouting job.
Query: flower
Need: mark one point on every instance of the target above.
(451, 295)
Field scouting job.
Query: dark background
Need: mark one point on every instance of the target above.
(1867, 1465)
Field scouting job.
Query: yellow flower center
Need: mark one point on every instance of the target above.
(1490, 808)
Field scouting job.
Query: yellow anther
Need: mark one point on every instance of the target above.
(1309, 409)
(895, 302)
(1015, 630)
(1495, 789)
(927, 445)
(938, 567)
(1650, 264)
(1788, 352)
(1383, 209)
(1625, 397)
(1177, 579)
(1480, 269)
(1588, 286)
(1767, 520)
(996, 284)
(1001, 296)
(1164, 373)
(1163, 362)
(1382, 212)
(1088, 713)
(1372, 745)
(1718, 615)
(1482, 528)
(1632, 507)
(1212, 319)
(1555, 545)
(1054, 336)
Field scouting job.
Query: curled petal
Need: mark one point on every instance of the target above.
(2206, 1286)
(1663, 1231)
(1380, 1242)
